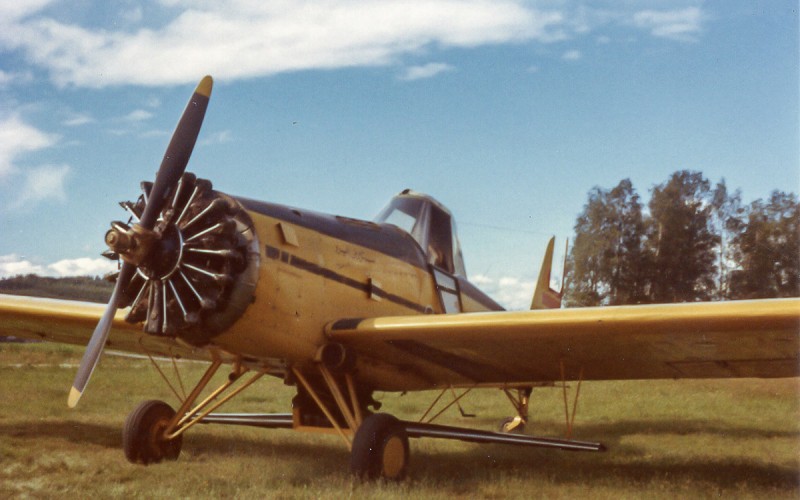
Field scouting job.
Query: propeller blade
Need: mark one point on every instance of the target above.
(95, 347)
(172, 167)
(178, 152)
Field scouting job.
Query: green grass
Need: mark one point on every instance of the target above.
(666, 439)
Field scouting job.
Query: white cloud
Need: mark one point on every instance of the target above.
(245, 38)
(137, 115)
(7, 79)
(41, 183)
(481, 280)
(511, 292)
(220, 137)
(146, 134)
(13, 11)
(249, 38)
(133, 15)
(13, 265)
(77, 120)
(18, 138)
(153, 102)
(425, 71)
(572, 55)
(83, 266)
(26, 186)
(681, 24)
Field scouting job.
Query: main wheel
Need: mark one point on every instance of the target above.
(143, 434)
(512, 425)
(380, 449)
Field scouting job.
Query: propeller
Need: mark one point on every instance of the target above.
(172, 167)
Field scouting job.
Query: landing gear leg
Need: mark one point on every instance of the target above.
(380, 449)
(517, 424)
(143, 436)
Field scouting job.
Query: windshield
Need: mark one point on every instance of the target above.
(430, 224)
(402, 220)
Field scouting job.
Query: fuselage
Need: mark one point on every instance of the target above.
(316, 268)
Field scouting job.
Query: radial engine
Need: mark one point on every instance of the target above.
(196, 270)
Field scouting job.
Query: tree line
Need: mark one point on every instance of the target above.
(692, 242)
(90, 289)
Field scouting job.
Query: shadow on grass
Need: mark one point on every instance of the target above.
(611, 434)
(466, 471)
(324, 458)
(620, 428)
(623, 463)
(473, 465)
(107, 436)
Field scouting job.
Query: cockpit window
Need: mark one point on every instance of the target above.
(430, 225)
(440, 241)
(401, 219)
(409, 214)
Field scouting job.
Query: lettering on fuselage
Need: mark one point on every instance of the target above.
(355, 255)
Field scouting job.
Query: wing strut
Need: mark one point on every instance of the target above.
(570, 419)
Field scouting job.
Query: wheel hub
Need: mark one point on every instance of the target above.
(394, 457)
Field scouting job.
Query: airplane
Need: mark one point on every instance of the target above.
(341, 308)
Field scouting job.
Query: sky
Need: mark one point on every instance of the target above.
(506, 111)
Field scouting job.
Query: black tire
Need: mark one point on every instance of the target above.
(142, 435)
(380, 449)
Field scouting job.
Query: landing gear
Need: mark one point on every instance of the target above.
(516, 425)
(380, 449)
(143, 435)
(512, 425)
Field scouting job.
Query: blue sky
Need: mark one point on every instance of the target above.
(506, 111)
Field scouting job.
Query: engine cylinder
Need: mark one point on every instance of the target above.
(202, 271)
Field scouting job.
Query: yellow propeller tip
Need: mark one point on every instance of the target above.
(74, 396)
(205, 86)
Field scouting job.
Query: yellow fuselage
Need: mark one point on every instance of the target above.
(315, 269)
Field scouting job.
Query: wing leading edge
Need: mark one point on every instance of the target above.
(759, 338)
(697, 340)
(72, 322)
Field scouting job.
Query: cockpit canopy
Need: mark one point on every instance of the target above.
(430, 224)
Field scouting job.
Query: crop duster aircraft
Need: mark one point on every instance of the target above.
(341, 308)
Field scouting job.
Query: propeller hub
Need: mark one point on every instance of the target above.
(118, 241)
(133, 244)
(165, 255)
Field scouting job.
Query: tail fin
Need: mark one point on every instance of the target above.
(545, 297)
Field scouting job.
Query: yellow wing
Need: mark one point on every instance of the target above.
(72, 322)
(697, 340)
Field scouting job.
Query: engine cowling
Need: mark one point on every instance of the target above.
(199, 274)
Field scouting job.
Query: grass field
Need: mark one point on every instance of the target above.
(666, 439)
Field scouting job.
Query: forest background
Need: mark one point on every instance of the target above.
(690, 242)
